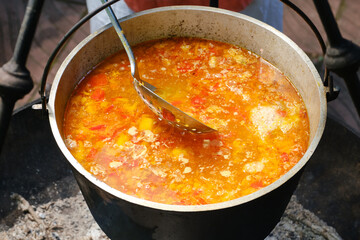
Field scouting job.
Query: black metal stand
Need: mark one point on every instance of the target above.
(342, 56)
(15, 79)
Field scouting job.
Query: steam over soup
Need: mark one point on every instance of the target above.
(262, 123)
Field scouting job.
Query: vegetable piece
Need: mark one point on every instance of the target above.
(109, 109)
(146, 123)
(176, 152)
(123, 138)
(168, 115)
(98, 94)
(130, 107)
(285, 157)
(257, 184)
(215, 87)
(282, 113)
(91, 154)
(98, 80)
(98, 127)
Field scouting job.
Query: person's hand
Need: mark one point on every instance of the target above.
(139, 5)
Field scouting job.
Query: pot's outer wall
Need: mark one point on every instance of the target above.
(250, 217)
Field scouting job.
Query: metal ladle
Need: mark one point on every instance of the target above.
(146, 91)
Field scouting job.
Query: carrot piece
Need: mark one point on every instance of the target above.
(215, 87)
(98, 127)
(109, 109)
(122, 114)
(98, 80)
(98, 94)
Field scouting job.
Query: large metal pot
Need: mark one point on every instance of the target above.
(250, 217)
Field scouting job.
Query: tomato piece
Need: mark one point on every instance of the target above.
(109, 109)
(168, 115)
(214, 51)
(98, 127)
(201, 201)
(91, 154)
(121, 114)
(116, 132)
(282, 113)
(195, 84)
(183, 202)
(215, 87)
(285, 157)
(257, 184)
(98, 94)
(204, 92)
(124, 116)
(98, 80)
(197, 192)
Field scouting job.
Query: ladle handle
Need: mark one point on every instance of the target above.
(120, 33)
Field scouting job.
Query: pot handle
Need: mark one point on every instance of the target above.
(43, 93)
(332, 91)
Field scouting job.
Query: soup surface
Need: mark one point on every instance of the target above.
(262, 123)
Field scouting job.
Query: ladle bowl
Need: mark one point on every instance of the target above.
(162, 108)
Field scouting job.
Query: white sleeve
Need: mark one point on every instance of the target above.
(268, 11)
(101, 19)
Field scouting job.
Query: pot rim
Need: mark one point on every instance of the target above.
(189, 208)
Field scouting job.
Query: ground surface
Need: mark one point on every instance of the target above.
(69, 218)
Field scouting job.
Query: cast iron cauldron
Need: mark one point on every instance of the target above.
(250, 217)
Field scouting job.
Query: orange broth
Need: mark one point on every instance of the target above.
(262, 123)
